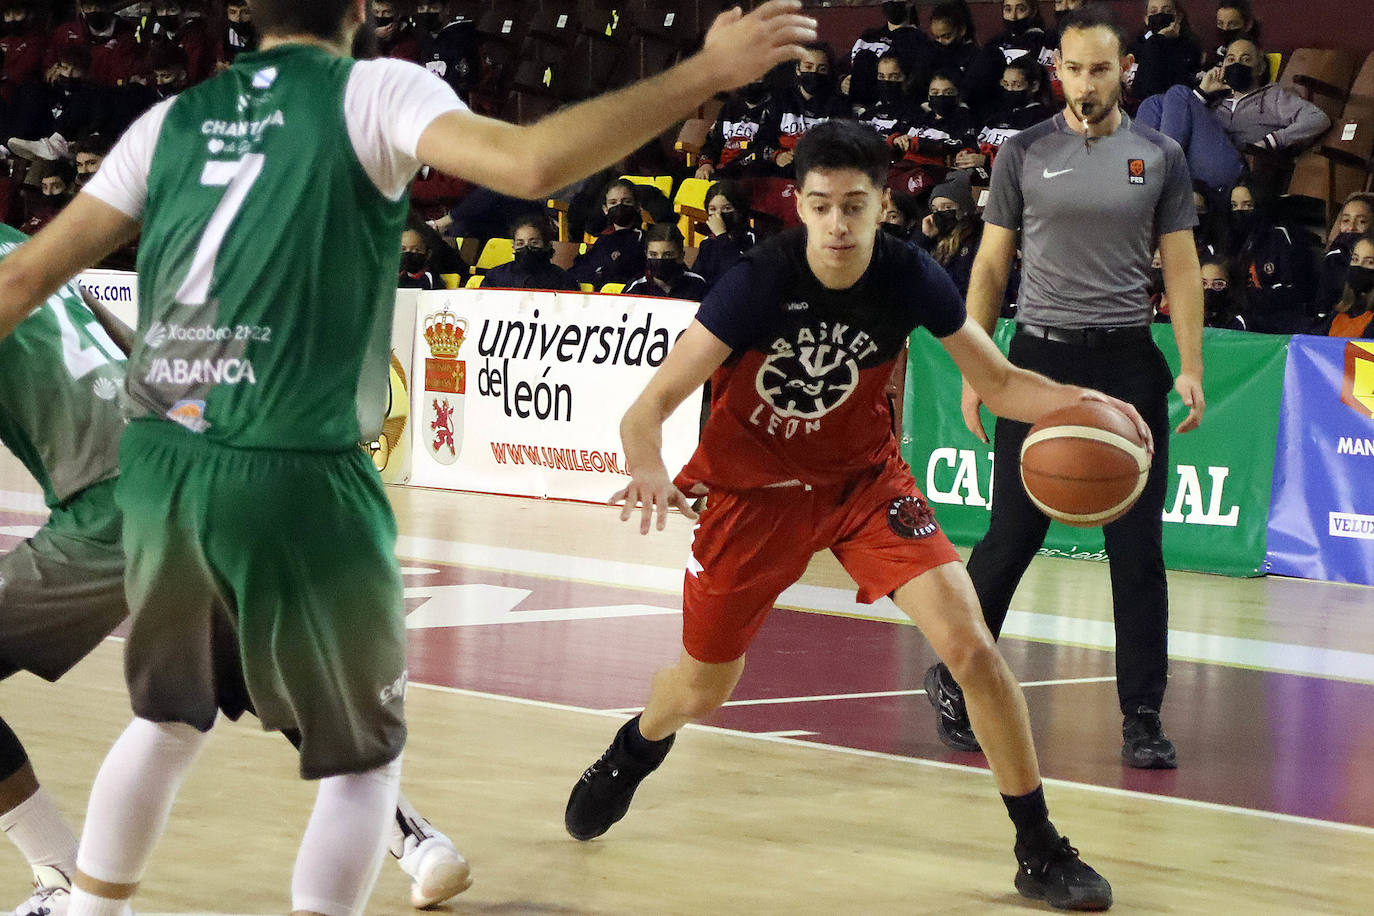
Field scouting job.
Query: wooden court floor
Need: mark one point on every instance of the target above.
(848, 806)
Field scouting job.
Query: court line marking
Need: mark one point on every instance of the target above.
(874, 694)
(935, 764)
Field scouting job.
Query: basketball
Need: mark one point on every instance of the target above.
(1084, 465)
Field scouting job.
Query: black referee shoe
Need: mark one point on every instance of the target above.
(951, 715)
(1060, 878)
(603, 794)
(1143, 742)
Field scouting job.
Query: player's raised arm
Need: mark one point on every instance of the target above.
(84, 232)
(534, 160)
(689, 364)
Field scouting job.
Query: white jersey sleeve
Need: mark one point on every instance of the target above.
(122, 179)
(388, 104)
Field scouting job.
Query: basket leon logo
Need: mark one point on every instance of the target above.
(445, 385)
(1357, 385)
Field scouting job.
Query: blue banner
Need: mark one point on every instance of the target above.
(1321, 518)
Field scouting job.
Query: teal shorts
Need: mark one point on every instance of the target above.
(264, 580)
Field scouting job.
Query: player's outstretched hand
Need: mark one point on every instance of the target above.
(1131, 413)
(969, 402)
(1190, 389)
(651, 493)
(743, 48)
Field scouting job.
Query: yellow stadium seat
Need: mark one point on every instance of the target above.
(452, 281)
(496, 252)
(613, 288)
(587, 287)
(663, 182)
(1275, 64)
(474, 281)
(691, 196)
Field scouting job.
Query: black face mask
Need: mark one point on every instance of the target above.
(1159, 21)
(1359, 279)
(889, 91)
(896, 11)
(623, 216)
(666, 269)
(66, 84)
(1214, 301)
(944, 105)
(1016, 98)
(1242, 221)
(1226, 36)
(430, 22)
(814, 83)
(384, 21)
(894, 229)
(736, 223)
(412, 262)
(1016, 27)
(1344, 242)
(1239, 76)
(12, 28)
(532, 256)
(945, 220)
(754, 94)
(99, 21)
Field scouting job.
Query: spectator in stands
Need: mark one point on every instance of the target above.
(1220, 305)
(727, 216)
(395, 34)
(1022, 105)
(1210, 233)
(89, 153)
(902, 216)
(665, 272)
(64, 105)
(789, 115)
(1235, 20)
(180, 26)
(415, 267)
(944, 125)
(170, 71)
(893, 111)
(55, 185)
(1234, 108)
(1166, 53)
(1022, 38)
(1356, 218)
(954, 45)
(1276, 264)
(239, 32)
(110, 42)
(533, 267)
(726, 152)
(429, 17)
(952, 230)
(1353, 315)
(1047, 60)
(618, 255)
(23, 39)
(898, 35)
(455, 55)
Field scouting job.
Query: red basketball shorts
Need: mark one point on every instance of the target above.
(752, 544)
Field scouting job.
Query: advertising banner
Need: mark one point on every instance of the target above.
(1219, 484)
(521, 393)
(1321, 523)
(117, 290)
(391, 452)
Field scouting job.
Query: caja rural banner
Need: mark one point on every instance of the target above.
(521, 392)
(1219, 483)
(1321, 523)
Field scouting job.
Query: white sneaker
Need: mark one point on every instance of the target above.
(437, 870)
(51, 894)
(49, 148)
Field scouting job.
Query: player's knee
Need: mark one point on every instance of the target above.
(700, 700)
(12, 754)
(973, 660)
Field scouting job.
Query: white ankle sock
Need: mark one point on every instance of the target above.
(84, 904)
(36, 828)
(342, 850)
(132, 797)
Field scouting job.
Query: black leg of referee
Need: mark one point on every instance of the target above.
(1135, 372)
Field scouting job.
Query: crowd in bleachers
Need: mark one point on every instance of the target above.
(76, 74)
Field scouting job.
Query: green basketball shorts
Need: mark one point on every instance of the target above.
(270, 572)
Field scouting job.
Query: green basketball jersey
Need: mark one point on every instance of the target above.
(268, 262)
(61, 380)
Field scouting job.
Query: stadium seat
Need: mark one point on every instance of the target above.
(452, 281)
(496, 252)
(613, 288)
(564, 253)
(586, 287)
(1322, 76)
(690, 204)
(690, 139)
(474, 282)
(663, 182)
(555, 23)
(1351, 140)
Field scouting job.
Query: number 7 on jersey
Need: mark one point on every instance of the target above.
(237, 178)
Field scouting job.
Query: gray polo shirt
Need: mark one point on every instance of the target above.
(1090, 212)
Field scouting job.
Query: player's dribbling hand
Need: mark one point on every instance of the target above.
(1190, 390)
(652, 494)
(969, 402)
(1131, 413)
(743, 48)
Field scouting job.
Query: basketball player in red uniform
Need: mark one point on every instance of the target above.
(799, 456)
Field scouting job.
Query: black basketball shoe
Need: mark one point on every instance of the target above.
(603, 794)
(1060, 878)
(1144, 744)
(951, 716)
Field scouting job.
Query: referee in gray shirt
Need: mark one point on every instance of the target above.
(1091, 194)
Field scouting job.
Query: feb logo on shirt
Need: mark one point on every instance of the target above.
(1135, 171)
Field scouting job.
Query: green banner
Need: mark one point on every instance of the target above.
(1217, 508)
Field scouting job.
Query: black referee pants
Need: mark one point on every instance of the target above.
(1134, 371)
